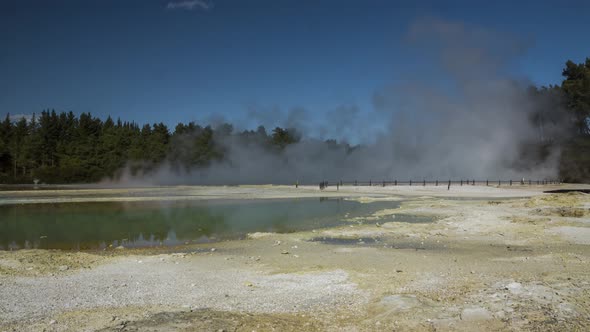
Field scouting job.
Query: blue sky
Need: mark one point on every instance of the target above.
(171, 61)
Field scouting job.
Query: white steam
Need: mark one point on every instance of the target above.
(473, 125)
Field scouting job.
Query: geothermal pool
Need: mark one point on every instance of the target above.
(97, 225)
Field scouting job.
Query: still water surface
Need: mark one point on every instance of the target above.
(83, 226)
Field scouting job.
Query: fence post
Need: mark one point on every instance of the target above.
(499, 183)
(449, 187)
(395, 182)
(510, 182)
(461, 181)
(529, 182)
(410, 182)
(370, 183)
(437, 183)
(487, 183)
(355, 183)
(383, 183)
(473, 183)
(424, 183)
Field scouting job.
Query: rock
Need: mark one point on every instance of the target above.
(475, 313)
(53, 321)
(277, 243)
(258, 235)
(284, 252)
(213, 249)
(514, 287)
(64, 268)
(398, 303)
(119, 247)
(399, 271)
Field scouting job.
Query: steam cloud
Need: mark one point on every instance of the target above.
(472, 126)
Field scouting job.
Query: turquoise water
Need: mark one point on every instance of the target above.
(96, 225)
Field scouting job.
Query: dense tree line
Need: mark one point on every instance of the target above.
(575, 139)
(62, 148)
(56, 147)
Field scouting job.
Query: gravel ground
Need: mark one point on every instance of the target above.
(190, 282)
(517, 264)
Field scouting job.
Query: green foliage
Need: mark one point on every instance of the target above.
(283, 137)
(63, 148)
(577, 88)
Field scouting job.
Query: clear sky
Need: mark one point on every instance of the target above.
(176, 60)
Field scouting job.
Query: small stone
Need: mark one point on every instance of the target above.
(476, 313)
(193, 285)
(64, 268)
(213, 249)
(120, 248)
(277, 243)
(53, 321)
(284, 252)
(399, 271)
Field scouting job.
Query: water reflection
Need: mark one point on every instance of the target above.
(82, 226)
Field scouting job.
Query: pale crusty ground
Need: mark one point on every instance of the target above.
(517, 264)
(77, 195)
